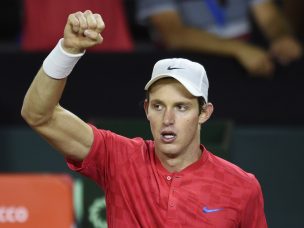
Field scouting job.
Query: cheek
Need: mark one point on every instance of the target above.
(190, 119)
(191, 124)
(153, 124)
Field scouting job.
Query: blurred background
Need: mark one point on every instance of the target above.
(258, 122)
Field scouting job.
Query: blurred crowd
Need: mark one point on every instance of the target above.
(256, 33)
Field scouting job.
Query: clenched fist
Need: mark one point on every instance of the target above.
(82, 31)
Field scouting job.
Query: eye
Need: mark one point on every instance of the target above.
(182, 107)
(157, 107)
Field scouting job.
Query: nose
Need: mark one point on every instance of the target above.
(169, 117)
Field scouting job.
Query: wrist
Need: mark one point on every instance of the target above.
(231, 47)
(60, 62)
(244, 50)
(69, 48)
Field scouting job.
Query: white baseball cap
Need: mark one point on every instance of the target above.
(191, 75)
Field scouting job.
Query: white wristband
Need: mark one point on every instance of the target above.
(59, 64)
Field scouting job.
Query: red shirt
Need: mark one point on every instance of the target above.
(140, 192)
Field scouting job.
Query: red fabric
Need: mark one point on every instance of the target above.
(140, 192)
(45, 20)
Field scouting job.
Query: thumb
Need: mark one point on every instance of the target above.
(93, 35)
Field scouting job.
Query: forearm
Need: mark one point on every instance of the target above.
(204, 42)
(254, 59)
(46, 89)
(41, 98)
(276, 27)
(271, 21)
(177, 35)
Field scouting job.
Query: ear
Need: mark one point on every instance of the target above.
(146, 106)
(206, 113)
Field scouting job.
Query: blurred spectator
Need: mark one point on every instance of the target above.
(43, 22)
(222, 27)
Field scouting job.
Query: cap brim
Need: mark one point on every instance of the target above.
(184, 82)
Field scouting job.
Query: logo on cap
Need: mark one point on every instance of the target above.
(173, 68)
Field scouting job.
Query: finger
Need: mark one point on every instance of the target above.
(281, 55)
(100, 23)
(93, 35)
(74, 23)
(294, 52)
(266, 68)
(90, 20)
(83, 25)
(87, 12)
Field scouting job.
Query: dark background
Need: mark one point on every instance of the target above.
(267, 114)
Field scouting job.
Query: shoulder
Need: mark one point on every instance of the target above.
(109, 139)
(232, 172)
(110, 136)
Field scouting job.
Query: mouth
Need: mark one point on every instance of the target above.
(168, 136)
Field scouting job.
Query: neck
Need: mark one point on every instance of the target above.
(179, 162)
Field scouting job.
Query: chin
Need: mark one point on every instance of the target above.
(170, 150)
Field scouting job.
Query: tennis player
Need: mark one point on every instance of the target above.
(170, 181)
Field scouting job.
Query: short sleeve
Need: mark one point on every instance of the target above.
(93, 166)
(253, 215)
(108, 152)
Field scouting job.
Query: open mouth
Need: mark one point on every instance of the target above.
(168, 136)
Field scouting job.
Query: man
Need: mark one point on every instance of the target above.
(222, 27)
(172, 181)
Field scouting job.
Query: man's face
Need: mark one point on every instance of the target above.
(174, 118)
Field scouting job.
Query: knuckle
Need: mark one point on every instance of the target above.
(71, 16)
(98, 18)
(92, 23)
(83, 26)
(100, 27)
(79, 14)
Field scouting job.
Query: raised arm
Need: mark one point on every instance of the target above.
(41, 110)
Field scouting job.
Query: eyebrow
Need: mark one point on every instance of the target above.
(175, 103)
